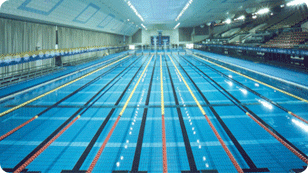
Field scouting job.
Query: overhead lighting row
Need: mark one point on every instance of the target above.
(1, 2)
(184, 9)
(144, 27)
(297, 2)
(263, 11)
(267, 10)
(254, 15)
(135, 11)
(240, 18)
(176, 26)
(228, 21)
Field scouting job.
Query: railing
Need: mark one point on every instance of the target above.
(293, 52)
(18, 58)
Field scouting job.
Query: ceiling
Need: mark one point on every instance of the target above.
(115, 16)
(86, 14)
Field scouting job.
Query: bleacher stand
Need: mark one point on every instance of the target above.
(259, 37)
(288, 40)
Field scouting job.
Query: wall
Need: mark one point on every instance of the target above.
(185, 34)
(71, 38)
(137, 37)
(173, 34)
(19, 36)
(305, 27)
(199, 38)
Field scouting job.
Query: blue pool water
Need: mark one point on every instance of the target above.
(120, 152)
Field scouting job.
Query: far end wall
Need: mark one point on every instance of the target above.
(178, 36)
(147, 34)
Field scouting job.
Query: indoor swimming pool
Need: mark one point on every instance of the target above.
(154, 112)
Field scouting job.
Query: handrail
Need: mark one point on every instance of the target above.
(54, 52)
(293, 52)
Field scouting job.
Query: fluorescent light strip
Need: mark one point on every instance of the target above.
(177, 25)
(184, 9)
(134, 9)
(241, 18)
(1, 2)
(228, 21)
(144, 27)
(297, 2)
(263, 11)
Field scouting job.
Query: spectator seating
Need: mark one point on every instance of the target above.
(287, 40)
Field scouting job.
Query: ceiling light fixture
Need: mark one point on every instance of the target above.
(134, 9)
(177, 25)
(184, 9)
(1, 2)
(144, 27)
(228, 21)
(263, 11)
(297, 2)
(240, 18)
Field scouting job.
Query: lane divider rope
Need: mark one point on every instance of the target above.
(279, 139)
(17, 128)
(285, 92)
(35, 117)
(62, 86)
(97, 156)
(231, 157)
(272, 102)
(54, 80)
(38, 150)
(23, 166)
(164, 148)
(269, 129)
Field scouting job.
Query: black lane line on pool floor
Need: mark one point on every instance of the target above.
(60, 101)
(189, 153)
(248, 160)
(143, 106)
(251, 90)
(245, 156)
(136, 161)
(100, 130)
(268, 128)
(42, 144)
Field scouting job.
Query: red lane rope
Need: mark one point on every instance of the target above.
(279, 139)
(165, 166)
(231, 157)
(17, 128)
(98, 154)
(22, 167)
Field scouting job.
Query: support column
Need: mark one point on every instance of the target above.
(58, 59)
(306, 61)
